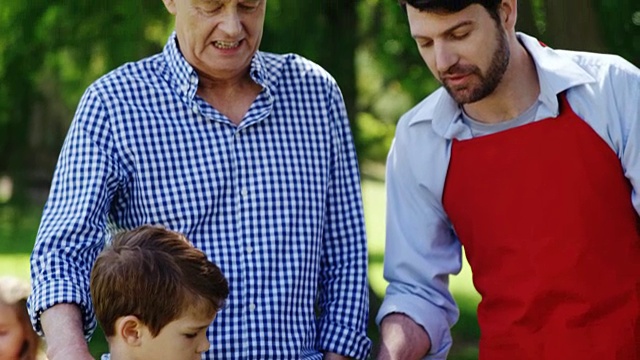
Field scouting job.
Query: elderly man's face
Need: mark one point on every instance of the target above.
(218, 37)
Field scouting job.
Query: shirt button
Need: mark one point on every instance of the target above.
(252, 306)
(195, 108)
(249, 249)
(185, 88)
(244, 192)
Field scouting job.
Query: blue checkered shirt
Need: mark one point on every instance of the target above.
(274, 201)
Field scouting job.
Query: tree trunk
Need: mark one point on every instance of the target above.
(526, 19)
(573, 24)
(338, 57)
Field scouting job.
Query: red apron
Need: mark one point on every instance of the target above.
(545, 216)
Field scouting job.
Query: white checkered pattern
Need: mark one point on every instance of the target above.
(275, 201)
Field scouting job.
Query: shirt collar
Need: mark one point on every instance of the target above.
(185, 79)
(556, 73)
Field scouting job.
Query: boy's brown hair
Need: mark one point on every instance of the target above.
(155, 274)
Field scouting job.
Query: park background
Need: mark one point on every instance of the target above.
(50, 51)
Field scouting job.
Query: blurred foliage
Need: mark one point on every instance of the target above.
(18, 228)
(620, 22)
(50, 51)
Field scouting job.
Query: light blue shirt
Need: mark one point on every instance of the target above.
(274, 201)
(421, 248)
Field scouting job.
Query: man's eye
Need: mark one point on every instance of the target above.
(425, 44)
(459, 36)
(190, 336)
(248, 7)
(210, 9)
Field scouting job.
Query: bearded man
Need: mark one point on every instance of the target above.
(529, 157)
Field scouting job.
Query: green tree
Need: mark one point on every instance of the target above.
(322, 31)
(51, 51)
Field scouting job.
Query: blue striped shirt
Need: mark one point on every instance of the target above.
(274, 201)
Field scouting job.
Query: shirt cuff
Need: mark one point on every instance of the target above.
(344, 341)
(56, 292)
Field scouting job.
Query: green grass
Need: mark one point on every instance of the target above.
(18, 227)
(15, 265)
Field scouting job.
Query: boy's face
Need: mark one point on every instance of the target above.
(184, 338)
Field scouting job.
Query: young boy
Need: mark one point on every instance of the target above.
(155, 295)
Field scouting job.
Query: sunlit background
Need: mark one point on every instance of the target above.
(50, 51)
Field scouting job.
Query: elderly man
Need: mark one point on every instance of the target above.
(250, 155)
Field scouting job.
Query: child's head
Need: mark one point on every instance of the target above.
(18, 341)
(154, 293)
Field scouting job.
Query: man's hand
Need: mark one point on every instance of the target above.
(402, 339)
(334, 356)
(63, 332)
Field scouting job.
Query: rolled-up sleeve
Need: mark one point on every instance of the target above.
(343, 292)
(73, 226)
(421, 250)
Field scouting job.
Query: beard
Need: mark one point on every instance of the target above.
(488, 81)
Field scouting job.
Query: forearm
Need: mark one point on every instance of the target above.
(402, 339)
(63, 331)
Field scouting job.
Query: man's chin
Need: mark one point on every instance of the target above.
(461, 96)
(466, 95)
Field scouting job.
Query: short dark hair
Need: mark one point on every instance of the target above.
(155, 274)
(451, 6)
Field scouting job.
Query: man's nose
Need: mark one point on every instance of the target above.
(445, 56)
(231, 23)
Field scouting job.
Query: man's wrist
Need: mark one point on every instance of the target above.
(402, 338)
(63, 332)
(334, 356)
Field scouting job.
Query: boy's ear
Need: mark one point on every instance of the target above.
(130, 330)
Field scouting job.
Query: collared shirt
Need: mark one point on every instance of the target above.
(274, 201)
(422, 249)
